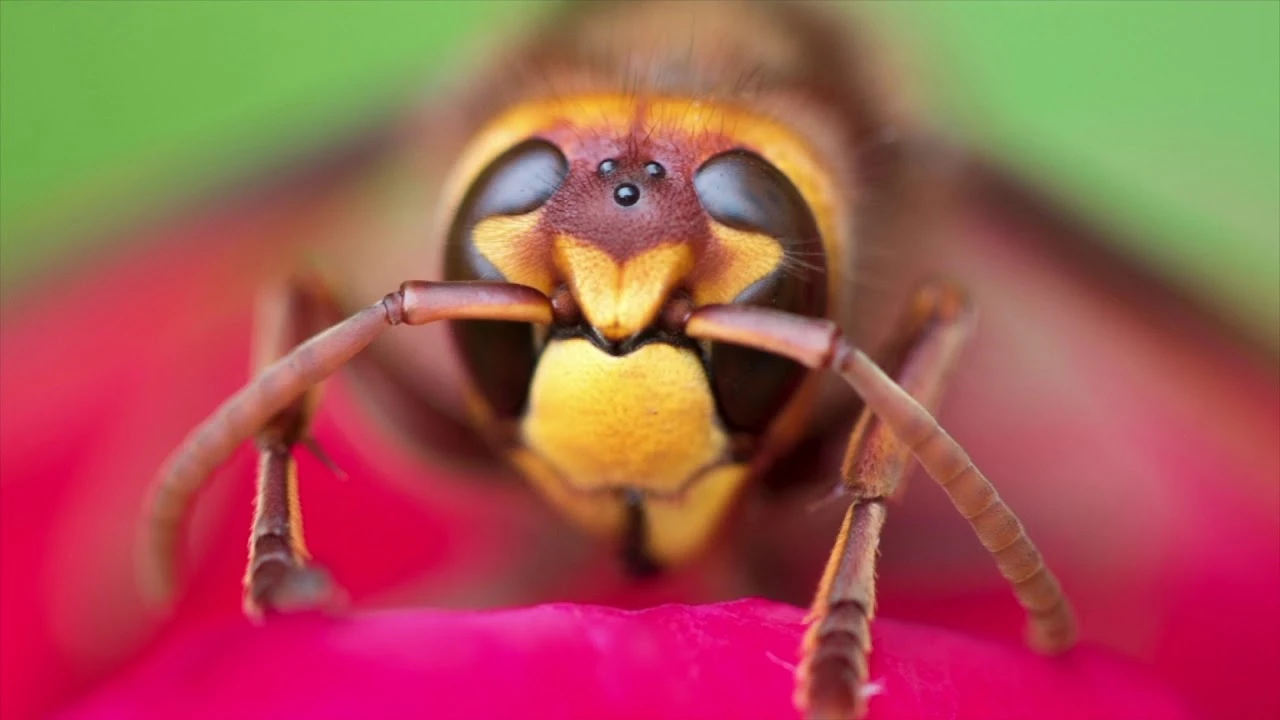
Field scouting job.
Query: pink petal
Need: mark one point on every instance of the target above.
(1138, 445)
(580, 661)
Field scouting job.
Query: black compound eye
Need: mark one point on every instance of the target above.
(742, 190)
(500, 355)
(521, 180)
(745, 192)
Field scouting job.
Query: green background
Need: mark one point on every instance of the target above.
(1160, 118)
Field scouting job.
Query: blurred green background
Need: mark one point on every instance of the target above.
(1162, 119)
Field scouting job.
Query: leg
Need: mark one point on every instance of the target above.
(278, 577)
(833, 665)
(259, 406)
(833, 656)
(819, 345)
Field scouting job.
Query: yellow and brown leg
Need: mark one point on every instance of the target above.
(833, 666)
(895, 425)
(274, 407)
(279, 576)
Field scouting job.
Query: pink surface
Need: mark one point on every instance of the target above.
(1141, 451)
(582, 661)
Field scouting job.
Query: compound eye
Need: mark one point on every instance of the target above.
(521, 180)
(744, 191)
(500, 355)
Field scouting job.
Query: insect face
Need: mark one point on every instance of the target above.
(621, 210)
(645, 273)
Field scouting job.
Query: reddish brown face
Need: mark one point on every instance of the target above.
(613, 404)
(627, 201)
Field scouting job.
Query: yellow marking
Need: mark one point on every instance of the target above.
(751, 256)
(681, 117)
(680, 527)
(504, 241)
(784, 149)
(600, 513)
(621, 300)
(597, 422)
(645, 420)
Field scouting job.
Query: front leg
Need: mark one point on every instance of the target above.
(279, 576)
(271, 407)
(832, 672)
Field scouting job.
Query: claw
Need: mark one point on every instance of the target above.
(288, 588)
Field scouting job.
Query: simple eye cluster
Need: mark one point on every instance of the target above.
(627, 194)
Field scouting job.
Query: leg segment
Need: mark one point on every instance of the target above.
(278, 576)
(833, 657)
(833, 665)
(1051, 623)
(286, 381)
(921, 356)
(819, 345)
